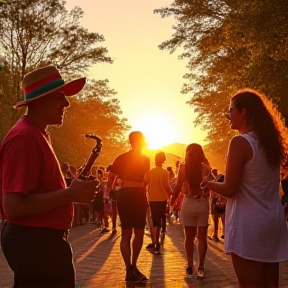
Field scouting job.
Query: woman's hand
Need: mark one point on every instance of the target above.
(206, 179)
(171, 201)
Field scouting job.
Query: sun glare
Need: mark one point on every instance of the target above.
(159, 130)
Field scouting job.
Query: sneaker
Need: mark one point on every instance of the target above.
(222, 237)
(139, 275)
(130, 276)
(200, 272)
(150, 246)
(189, 270)
(157, 249)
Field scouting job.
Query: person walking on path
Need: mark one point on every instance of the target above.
(194, 212)
(256, 235)
(113, 198)
(159, 193)
(36, 204)
(98, 204)
(132, 168)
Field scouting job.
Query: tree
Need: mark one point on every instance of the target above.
(230, 44)
(35, 33)
(93, 111)
(6, 110)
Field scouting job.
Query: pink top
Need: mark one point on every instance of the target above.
(28, 164)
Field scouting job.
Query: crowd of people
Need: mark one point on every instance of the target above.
(38, 195)
(103, 206)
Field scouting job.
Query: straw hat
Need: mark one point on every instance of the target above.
(46, 80)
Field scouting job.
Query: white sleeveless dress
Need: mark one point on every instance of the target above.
(255, 226)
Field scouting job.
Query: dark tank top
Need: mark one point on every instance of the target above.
(130, 166)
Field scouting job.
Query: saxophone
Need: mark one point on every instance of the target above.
(84, 174)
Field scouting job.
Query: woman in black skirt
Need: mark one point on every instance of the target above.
(132, 168)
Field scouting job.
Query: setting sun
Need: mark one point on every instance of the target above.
(159, 130)
(148, 88)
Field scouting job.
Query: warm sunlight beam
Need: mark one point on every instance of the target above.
(159, 130)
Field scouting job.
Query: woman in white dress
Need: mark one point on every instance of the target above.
(255, 230)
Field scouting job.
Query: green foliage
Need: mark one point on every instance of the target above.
(7, 112)
(94, 111)
(35, 33)
(230, 44)
(39, 32)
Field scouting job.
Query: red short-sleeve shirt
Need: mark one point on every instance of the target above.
(28, 164)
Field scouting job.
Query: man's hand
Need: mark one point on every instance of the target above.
(83, 191)
(18, 205)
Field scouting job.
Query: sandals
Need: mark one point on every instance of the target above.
(157, 249)
(215, 238)
(200, 272)
(133, 274)
(150, 246)
(189, 270)
(130, 275)
(139, 275)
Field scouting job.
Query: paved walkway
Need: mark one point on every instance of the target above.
(99, 264)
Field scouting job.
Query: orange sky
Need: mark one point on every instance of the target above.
(148, 80)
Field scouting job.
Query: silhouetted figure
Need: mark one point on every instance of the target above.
(132, 168)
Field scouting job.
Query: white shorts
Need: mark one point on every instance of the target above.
(194, 212)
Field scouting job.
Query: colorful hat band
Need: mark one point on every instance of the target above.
(44, 89)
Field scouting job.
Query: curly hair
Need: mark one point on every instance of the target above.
(266, 122)
(194, 160)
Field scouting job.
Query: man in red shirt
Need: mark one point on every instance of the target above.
(36, 203)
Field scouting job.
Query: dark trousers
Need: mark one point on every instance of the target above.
(39, 257)
(158, 210)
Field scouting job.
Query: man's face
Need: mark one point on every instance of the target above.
(55, 105)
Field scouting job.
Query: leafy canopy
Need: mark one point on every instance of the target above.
(229, 45)
(35, 33)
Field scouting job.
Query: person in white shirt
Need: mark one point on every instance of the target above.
(255, 230)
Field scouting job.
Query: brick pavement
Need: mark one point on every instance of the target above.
(99, 264)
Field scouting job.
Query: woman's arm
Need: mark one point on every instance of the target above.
(179, 184)
(239, 152)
